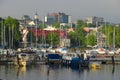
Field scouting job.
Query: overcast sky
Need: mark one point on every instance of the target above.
(78, 9)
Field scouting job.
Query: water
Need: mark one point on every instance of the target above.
(45, 72)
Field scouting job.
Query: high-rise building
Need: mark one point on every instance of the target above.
(52, 18)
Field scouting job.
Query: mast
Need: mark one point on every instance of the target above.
(2, 24)
(106, 36)
(114, 37)
(51, 39)
(60, 35)
(9, 37)
(43, 35)
(12, 34)
(3, 36)
(31, 36)
(97, 34)
(36, 35)
(36, 22)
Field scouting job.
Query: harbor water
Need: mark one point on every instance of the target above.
(55, 72)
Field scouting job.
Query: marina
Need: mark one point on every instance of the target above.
(57, 40)
(29, 57)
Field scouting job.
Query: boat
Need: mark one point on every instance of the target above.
(95, 66)
(68, 57)
(22, 63)
(74, 59)
(53, 58)
(23, 59)
(62, 50)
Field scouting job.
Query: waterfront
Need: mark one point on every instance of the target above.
(45, 72)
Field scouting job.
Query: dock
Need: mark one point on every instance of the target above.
(106, 58)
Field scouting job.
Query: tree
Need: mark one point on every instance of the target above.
(80, 33)
(12, 27)
(117, 36)
(52, 39)
(72, 36)
(92, 40)
(81, 23)
(56, 25)
(109, 30)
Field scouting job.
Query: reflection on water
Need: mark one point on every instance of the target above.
(113, 70)
(57, 72)
(21, 71)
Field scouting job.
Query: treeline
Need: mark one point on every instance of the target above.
(9, 33)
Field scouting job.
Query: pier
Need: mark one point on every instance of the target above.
(106, 58)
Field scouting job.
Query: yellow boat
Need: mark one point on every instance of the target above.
(95, 66)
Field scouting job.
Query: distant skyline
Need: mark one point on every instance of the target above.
(78, 9)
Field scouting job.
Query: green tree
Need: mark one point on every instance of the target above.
(117, 36)
(80, 33)
(56, 25)
(73, 39)
(81, 23)
(109, 30)
(52, 39)
(92, 40)
(12, 27)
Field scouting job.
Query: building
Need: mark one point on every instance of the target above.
(26, 17)
(62, 34)
(52, 18)
(25, 25)
(94, 20)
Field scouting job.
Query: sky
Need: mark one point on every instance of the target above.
(77, 9)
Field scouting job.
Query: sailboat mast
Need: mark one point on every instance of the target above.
(51, 39)
(114, 37)
(31, 36)
(9, 37)
(12, 35)
(36, 22)
(106, 36)
(97, 34)
(36, 35)
(3, 36)
(43, 34)
(2, 33)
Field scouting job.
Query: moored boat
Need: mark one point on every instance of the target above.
(53, 58)
(74, 59)
(95, 66)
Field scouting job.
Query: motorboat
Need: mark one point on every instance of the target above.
(95, 65)
(75, 59)
(54, 58)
